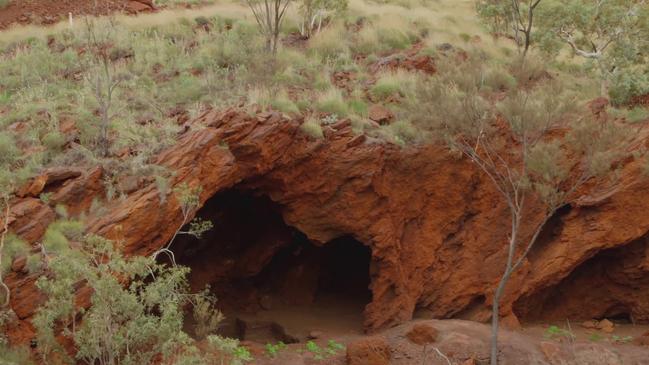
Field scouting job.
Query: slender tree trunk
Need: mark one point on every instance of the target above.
(3, 236)
(603, 86)
(495, 315)
(495, 307)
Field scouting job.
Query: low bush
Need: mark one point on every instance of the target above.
(128, 323)
(637, 114)
(392, 85)
(625, 85)
(499, 79)
(284, 104)
(312, 128)
(332, 102)
(330, 44)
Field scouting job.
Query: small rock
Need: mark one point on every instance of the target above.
(445, 47)
(34, 187)
(422, 334)
(592, 324)
(470, 361)
(266, 302)
(314, 335)
(341, 124)
(128, 184)
(18, 264)
(381, 114)
(369, 351)
(606, 326)
(356, 141)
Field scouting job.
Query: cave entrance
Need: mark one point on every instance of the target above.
(271, 281)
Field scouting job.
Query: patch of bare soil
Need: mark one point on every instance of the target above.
(457, 342)
(44, 12)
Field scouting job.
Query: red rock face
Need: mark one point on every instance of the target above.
(50, 12)
(436, 228)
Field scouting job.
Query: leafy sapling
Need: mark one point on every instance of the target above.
(229, 349)
(189, 200)
(272, 350)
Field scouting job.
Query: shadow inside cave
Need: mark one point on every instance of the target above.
(271, 281)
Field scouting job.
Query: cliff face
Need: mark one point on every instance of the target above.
(436, 228)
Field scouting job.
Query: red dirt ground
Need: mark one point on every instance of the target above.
(52, 11)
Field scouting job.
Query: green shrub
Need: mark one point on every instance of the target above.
(332, 102)
(395, 38)
(282, 103)
(498, 79)
(14, 247)
(126, 324)
(330, 44)
(393, 84)
(626, 85)
(367, 42)
(637, 114)
(312, 128)
(9, 152)
(404, 131)
(229, 349)
(13, 355)
(54, 141)
(358, 107)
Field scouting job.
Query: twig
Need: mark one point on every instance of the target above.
(442, 355)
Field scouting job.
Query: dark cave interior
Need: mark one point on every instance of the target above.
(271, 281)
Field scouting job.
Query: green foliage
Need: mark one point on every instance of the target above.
(358, 107)
(595, 337)
(54, 141)
(499, 79)
(392, 86)
(384, 89)
(614, 35)
(403, 132)
(129, 322)
(557, 333)
(14, 355)
(322, 353)
(622, 339)
(395, 39)
(188, 197)
(315, 12)
(496, 14)
(312, 128)
(638, 114)
(207, 319)
(284, 104)
(229, 349)
(332, 102)
(627, 84)
(330, 44)
(14, 248)
(272, 350)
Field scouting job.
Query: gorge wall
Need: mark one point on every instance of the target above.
(436, 228)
